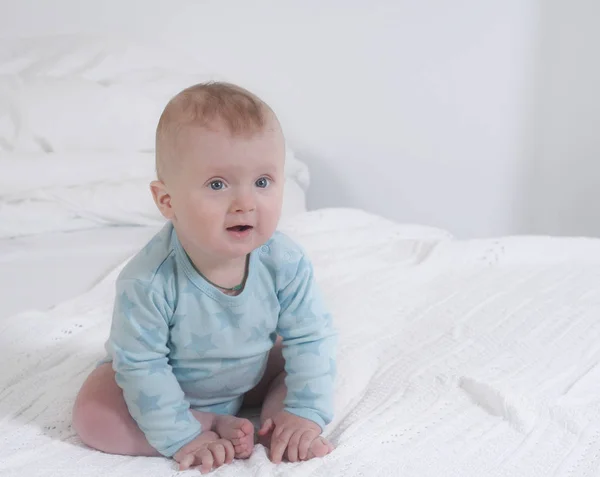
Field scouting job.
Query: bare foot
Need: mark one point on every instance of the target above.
(207, 451)
(239, 431)
(318, 447)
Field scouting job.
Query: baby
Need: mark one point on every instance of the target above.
(219, 310)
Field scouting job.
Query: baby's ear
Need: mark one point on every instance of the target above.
(162, 199)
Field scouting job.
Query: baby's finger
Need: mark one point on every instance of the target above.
(239, 448)
(266, 427)
(279, 443)
(292, 449)
(206, 460)
(229, 451)
(218, 453)
(304, 445)
(186, 462)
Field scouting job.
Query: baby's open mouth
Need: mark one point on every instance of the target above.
(239, 228)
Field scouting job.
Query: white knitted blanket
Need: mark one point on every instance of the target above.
(457, 358)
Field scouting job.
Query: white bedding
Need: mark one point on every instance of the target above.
(457, 358)
(39, 271)
(77, 121)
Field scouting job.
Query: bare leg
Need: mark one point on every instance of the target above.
(274, 398)
(102, 420)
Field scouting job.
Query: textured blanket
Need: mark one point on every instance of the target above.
(456, 358)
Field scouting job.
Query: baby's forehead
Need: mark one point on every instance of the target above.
(203, 147)
(212, 116)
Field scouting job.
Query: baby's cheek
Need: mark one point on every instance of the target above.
(206, 215)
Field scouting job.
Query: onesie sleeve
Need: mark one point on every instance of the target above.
(309, 345)
(138, 347)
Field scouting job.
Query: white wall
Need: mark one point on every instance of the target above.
(419, 111)
(563, 181)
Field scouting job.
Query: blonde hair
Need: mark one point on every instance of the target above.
(206, 105)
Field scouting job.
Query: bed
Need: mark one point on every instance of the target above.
(456, 357)
(38, 271)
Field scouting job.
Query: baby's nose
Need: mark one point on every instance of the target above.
(244, 203)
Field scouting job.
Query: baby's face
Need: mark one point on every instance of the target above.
(228, 191)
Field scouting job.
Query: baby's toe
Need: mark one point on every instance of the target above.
(234, 428)
(242, 451)
(247, 427)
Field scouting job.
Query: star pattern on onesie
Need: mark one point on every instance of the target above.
(170, 282)
(192, 374)
(290, 368)
(169, 442)
(222, 408)
(156, 240)
(287, 271)
(119, 357)
(284, 328)
(147, 403)
(149, 336)
(257, 366)
(332, 367)
(178, 315)
(311, 347)
(229, 363)
(230, 390)
(201, 344)
(307, 315)
(306, 395)
(182, 413)
(229, 318)
(256, 333)
(271, 301)
(157, 366)
(126, 305)
(189, 288)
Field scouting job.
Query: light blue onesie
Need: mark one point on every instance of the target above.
(178, 342)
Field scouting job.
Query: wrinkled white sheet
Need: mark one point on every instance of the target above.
(457, 358)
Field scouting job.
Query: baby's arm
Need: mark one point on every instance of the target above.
(309, 342)
(138, 345)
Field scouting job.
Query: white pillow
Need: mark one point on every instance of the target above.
(60, 93)
(24, 173)
(62, 114)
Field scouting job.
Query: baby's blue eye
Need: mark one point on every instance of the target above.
(263, 183)
(217, 185)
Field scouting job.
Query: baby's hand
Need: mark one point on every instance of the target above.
(207, 451)
(290, 432)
